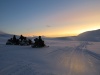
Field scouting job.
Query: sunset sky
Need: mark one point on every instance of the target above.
(49, 18)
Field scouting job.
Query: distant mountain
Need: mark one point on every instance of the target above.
(86, 36)
(3, 34)
(4, 37)
(89, 36)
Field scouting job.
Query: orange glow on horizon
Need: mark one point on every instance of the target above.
(62, 33)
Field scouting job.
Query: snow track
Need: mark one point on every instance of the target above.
(76, 60)
(72, 58)
(80, 63)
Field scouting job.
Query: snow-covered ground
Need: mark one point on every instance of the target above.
(61, 58)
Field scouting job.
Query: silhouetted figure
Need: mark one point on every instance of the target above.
(35, 44)
(23, 41)
(38, 42)
(30, 42)
(21, 38)
(17, 42)
(9, 42)
(14, 39)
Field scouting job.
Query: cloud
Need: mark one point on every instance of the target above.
(48, 26)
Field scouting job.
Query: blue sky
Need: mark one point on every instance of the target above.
(49, 17)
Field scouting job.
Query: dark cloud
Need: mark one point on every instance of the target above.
(48, 26)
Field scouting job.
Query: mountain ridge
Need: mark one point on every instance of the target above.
(93, 35)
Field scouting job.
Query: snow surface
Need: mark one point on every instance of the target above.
(61, 58)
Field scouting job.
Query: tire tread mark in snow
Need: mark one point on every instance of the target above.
(95, 55)
(78, 57)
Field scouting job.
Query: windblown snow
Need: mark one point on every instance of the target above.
(60, 58)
